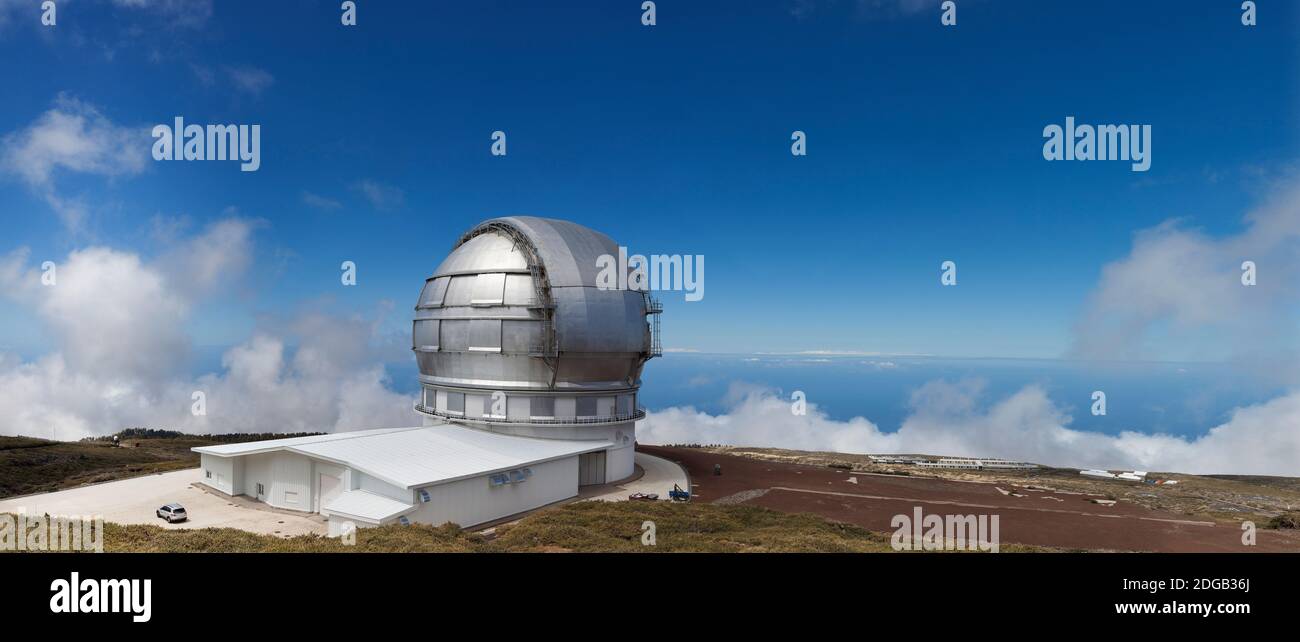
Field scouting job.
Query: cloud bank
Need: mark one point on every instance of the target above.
(119, 321)
(953, 418)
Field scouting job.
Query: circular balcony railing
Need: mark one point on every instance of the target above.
(638, 414)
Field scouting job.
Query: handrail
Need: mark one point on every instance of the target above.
(638, 414)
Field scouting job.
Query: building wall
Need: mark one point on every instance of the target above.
(473, 501)
(286, 479)
(380, 487)
(619, 463)
(218, 473)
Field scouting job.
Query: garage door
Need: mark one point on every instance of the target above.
(327, 488)
(591, 468)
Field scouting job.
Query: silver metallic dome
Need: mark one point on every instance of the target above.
(512, 334)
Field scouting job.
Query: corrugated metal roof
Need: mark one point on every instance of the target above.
(367, 505)
(421, 456)
(253, 447)
(443, 453)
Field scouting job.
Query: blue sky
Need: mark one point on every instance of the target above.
(924, 145)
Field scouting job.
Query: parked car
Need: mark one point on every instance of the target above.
(173, 513)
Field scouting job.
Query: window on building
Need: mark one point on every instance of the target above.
(586, 406)
(543, 407)
(456, 402)
(208, 473)
(260, 489)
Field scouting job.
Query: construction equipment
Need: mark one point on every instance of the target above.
(679, 495)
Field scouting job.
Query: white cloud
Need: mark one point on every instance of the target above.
(250, 80)
(119, 322)
(1178, 294)
(320, 202)
(381, 196)
(75, 137)
(948, 419)
(178, 13)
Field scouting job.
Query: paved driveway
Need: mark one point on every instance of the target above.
(133, 501)
(660, 475)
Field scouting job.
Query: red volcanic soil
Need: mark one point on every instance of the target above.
(1037, 518)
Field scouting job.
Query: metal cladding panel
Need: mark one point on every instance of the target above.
(460, 290)
(484, 253)
(569, 251)
(285, 478)
(484, 334)
(519, 289)
(592, 320)
(434, 290)
(454, 335)
(473, 501)
(488, 288)
(487, 369)
(520, 336)
(218, 473)
(426, 333)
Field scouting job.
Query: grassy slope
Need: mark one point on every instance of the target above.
(36, 466)
(30, 465)
(588, 527)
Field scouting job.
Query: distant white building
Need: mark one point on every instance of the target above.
(974, 464)
(1097, 473)
(1136, 475)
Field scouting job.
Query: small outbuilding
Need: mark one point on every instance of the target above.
(429, 474)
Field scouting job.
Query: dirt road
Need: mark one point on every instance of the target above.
(1041, 518)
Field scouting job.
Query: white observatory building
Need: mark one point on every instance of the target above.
(529, 376)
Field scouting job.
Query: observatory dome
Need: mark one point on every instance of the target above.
(511, 334)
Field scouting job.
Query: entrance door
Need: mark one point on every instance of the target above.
(327, 488)
(591, 468)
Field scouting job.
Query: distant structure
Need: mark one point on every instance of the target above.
(967, 463)
(1137, 475)
(529, 376)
